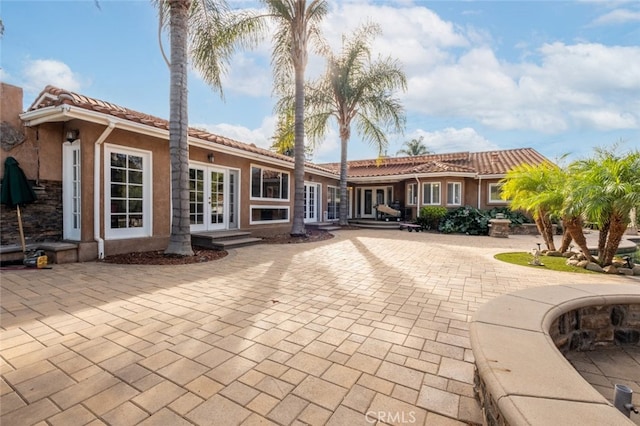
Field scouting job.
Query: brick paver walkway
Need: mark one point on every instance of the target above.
(369, 325)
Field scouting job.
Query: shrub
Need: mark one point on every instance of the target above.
(430, 216)
(465, 220)
(516, 217)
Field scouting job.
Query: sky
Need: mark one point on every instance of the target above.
(559, 77)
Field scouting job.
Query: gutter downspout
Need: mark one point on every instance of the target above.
(479, 190)
(97, 167)
(418, 196)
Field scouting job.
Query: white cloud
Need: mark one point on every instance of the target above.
(250, 76)
(454, 140)
(534, 96)
(40, 72)
(616, 17)
(607, 119)
(414, 34)
(328, 151)
(260, 136)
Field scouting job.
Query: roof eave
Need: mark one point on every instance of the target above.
(69, 112)
(405, 176)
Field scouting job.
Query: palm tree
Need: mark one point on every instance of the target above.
(180, 238)
(213, 34)
(545, 190)
(355, 89)
(606, 189)
(297, 24)
(414, 148)
(283, 140)
(533, 189)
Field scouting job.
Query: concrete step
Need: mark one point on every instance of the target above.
(234, 243)
(319, 224)
(57, 252)
(223, 240)
(220, 235)
(329, 228)
(375, 224)
(368, 226)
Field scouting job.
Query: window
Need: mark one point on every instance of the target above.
(128, 192)
(495, 193)
(269, 214)
(454, 193)
(71, 190)
(268, 183)
(196, 196)
(431, 193)
(333, 203)
(412, 194)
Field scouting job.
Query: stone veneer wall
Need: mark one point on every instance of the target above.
(528, 229)
(490, 411)
(587, 328)
(41, 220)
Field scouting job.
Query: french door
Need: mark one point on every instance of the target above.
(371, 197)
(213, 198)
(311, 202)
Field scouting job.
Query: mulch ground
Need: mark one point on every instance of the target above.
(201, 255)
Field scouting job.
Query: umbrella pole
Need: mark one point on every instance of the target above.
(24, 245)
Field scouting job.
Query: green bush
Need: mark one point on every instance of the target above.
(430, 216)
(465, 220)
(516, 217)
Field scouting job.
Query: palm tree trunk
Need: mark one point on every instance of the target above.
(548, 230)
(574, 226)
(566, 237)
(297, 228)
(617, 228)
(180, 238)
(344, 140)
(539, 219)
(603, 235)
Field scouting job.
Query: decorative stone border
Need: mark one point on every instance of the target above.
(521, 377)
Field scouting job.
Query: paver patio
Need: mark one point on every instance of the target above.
(371, 325)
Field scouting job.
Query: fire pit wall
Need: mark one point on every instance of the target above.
(588, 328)
(531, 382)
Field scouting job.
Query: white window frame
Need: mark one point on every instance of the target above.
(450, 186)
(431, 184)
(262, 198)
(261, 206)
(72, 190)
(489, 193)
(412, 194)
(147, 191)
(317, 210)
(329, 198)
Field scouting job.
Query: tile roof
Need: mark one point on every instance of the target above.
(54, 96)
(481, 163)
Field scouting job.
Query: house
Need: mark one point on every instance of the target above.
(102, 174)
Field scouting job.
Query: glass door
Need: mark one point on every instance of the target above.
(213, 198)
(371, 197)
(217, 200)
(311, 202)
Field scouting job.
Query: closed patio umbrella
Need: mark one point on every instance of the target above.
(16, 191)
